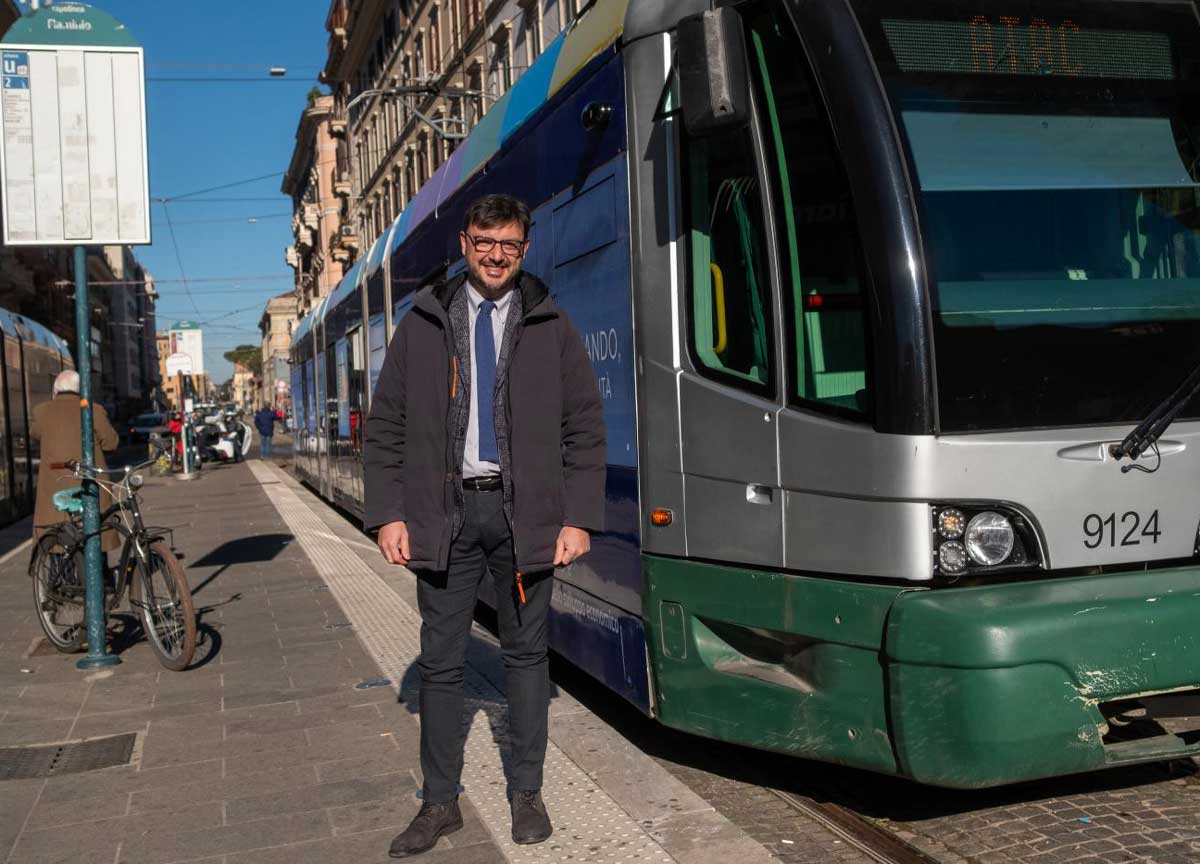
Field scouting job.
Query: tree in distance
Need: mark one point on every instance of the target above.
(249, 356)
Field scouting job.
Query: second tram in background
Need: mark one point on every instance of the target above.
(31, 359)
(875, 294)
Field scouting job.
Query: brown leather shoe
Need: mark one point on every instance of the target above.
(530, 821)
(430, 823)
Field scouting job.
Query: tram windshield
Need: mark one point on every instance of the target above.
(1056, 145)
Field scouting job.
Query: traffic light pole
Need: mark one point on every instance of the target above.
(97, 654)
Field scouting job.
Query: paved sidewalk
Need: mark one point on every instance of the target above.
(265, 753)
(268, 751)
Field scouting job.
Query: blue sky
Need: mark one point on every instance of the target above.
(209, 133)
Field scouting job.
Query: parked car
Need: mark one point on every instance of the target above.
(142, 425)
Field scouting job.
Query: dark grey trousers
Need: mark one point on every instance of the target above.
(447, 604)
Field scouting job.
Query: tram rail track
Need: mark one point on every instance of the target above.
(879, 844)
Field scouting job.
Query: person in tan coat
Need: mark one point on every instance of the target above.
(56, 425)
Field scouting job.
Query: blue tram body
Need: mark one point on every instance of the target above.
(32, 357)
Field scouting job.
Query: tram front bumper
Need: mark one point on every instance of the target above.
(998, 684)
(956, 687)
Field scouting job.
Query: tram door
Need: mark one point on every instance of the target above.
(321, 407)
(728, 399)
(14, 387)
(357, 401)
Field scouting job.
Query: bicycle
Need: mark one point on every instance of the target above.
(148, 570)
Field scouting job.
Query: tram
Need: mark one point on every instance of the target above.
(877, 294)
(31, 359)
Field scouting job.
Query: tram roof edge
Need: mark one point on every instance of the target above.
(564, 57)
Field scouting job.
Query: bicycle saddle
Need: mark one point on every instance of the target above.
(69, 500)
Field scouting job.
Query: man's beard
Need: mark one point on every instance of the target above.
(479, 282)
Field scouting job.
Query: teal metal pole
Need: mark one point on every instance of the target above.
(97, 613)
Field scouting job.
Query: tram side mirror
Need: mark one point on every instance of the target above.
(713, 83)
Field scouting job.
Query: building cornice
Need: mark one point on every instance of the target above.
(311, 119)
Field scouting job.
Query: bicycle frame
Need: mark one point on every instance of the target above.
(124, 516)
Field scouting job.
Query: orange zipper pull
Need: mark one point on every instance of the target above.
(520, 588)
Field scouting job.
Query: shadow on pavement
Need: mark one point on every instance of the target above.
(244, 550)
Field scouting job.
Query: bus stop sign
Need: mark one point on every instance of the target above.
(73, 130)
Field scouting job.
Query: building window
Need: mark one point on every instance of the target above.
(438, 140)
(475, 84)
(435, 40)
(397, 204)
(410, 180)
(419, 53)
(422, 160)
(532, 24)
(455, 126)
(502, 61)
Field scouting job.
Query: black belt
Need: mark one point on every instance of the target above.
(490, 483)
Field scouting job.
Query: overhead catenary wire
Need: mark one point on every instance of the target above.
(231, 185)
(178, 257)
(257, 218)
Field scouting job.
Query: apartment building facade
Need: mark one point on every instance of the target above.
(276, 325)
(316, 254)
(410, 79)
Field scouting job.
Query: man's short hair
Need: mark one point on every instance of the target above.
(492, 210)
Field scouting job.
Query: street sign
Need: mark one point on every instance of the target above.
(177, 363)
(73, 159)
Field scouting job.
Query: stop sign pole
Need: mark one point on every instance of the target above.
(73, 172)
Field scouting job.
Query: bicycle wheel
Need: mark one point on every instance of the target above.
(163, 599)
(59, 594)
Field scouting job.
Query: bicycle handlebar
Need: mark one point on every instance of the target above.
(73, 465)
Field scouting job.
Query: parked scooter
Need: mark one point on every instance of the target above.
(221, 440)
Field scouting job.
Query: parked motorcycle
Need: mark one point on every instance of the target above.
(221, 440)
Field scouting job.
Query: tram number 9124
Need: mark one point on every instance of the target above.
(1130, 526)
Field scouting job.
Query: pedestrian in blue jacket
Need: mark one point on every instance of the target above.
(264, 422)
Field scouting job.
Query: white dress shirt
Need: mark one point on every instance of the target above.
(472, 466)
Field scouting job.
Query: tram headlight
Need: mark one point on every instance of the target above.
(976, 539)
(989, 538)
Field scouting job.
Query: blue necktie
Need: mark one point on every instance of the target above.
(485, 382)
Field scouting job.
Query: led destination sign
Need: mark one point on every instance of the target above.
(1011, 45)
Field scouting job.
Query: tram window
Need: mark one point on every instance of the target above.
(731, 289)
(818, 237)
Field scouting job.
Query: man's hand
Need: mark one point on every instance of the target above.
(393, 543)
(571, 543)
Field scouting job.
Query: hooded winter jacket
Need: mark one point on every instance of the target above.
(548, 416)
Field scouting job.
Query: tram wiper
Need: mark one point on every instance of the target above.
(1146, 434)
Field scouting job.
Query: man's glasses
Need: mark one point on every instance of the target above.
(484, 245)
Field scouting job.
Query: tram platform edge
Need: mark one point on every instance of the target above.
(607, 798)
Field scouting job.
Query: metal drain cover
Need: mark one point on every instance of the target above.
(51, 760)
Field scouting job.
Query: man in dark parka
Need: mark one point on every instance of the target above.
(485, 454)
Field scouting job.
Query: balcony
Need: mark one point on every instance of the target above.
(342, 186)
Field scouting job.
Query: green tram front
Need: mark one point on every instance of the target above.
(929, 264)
